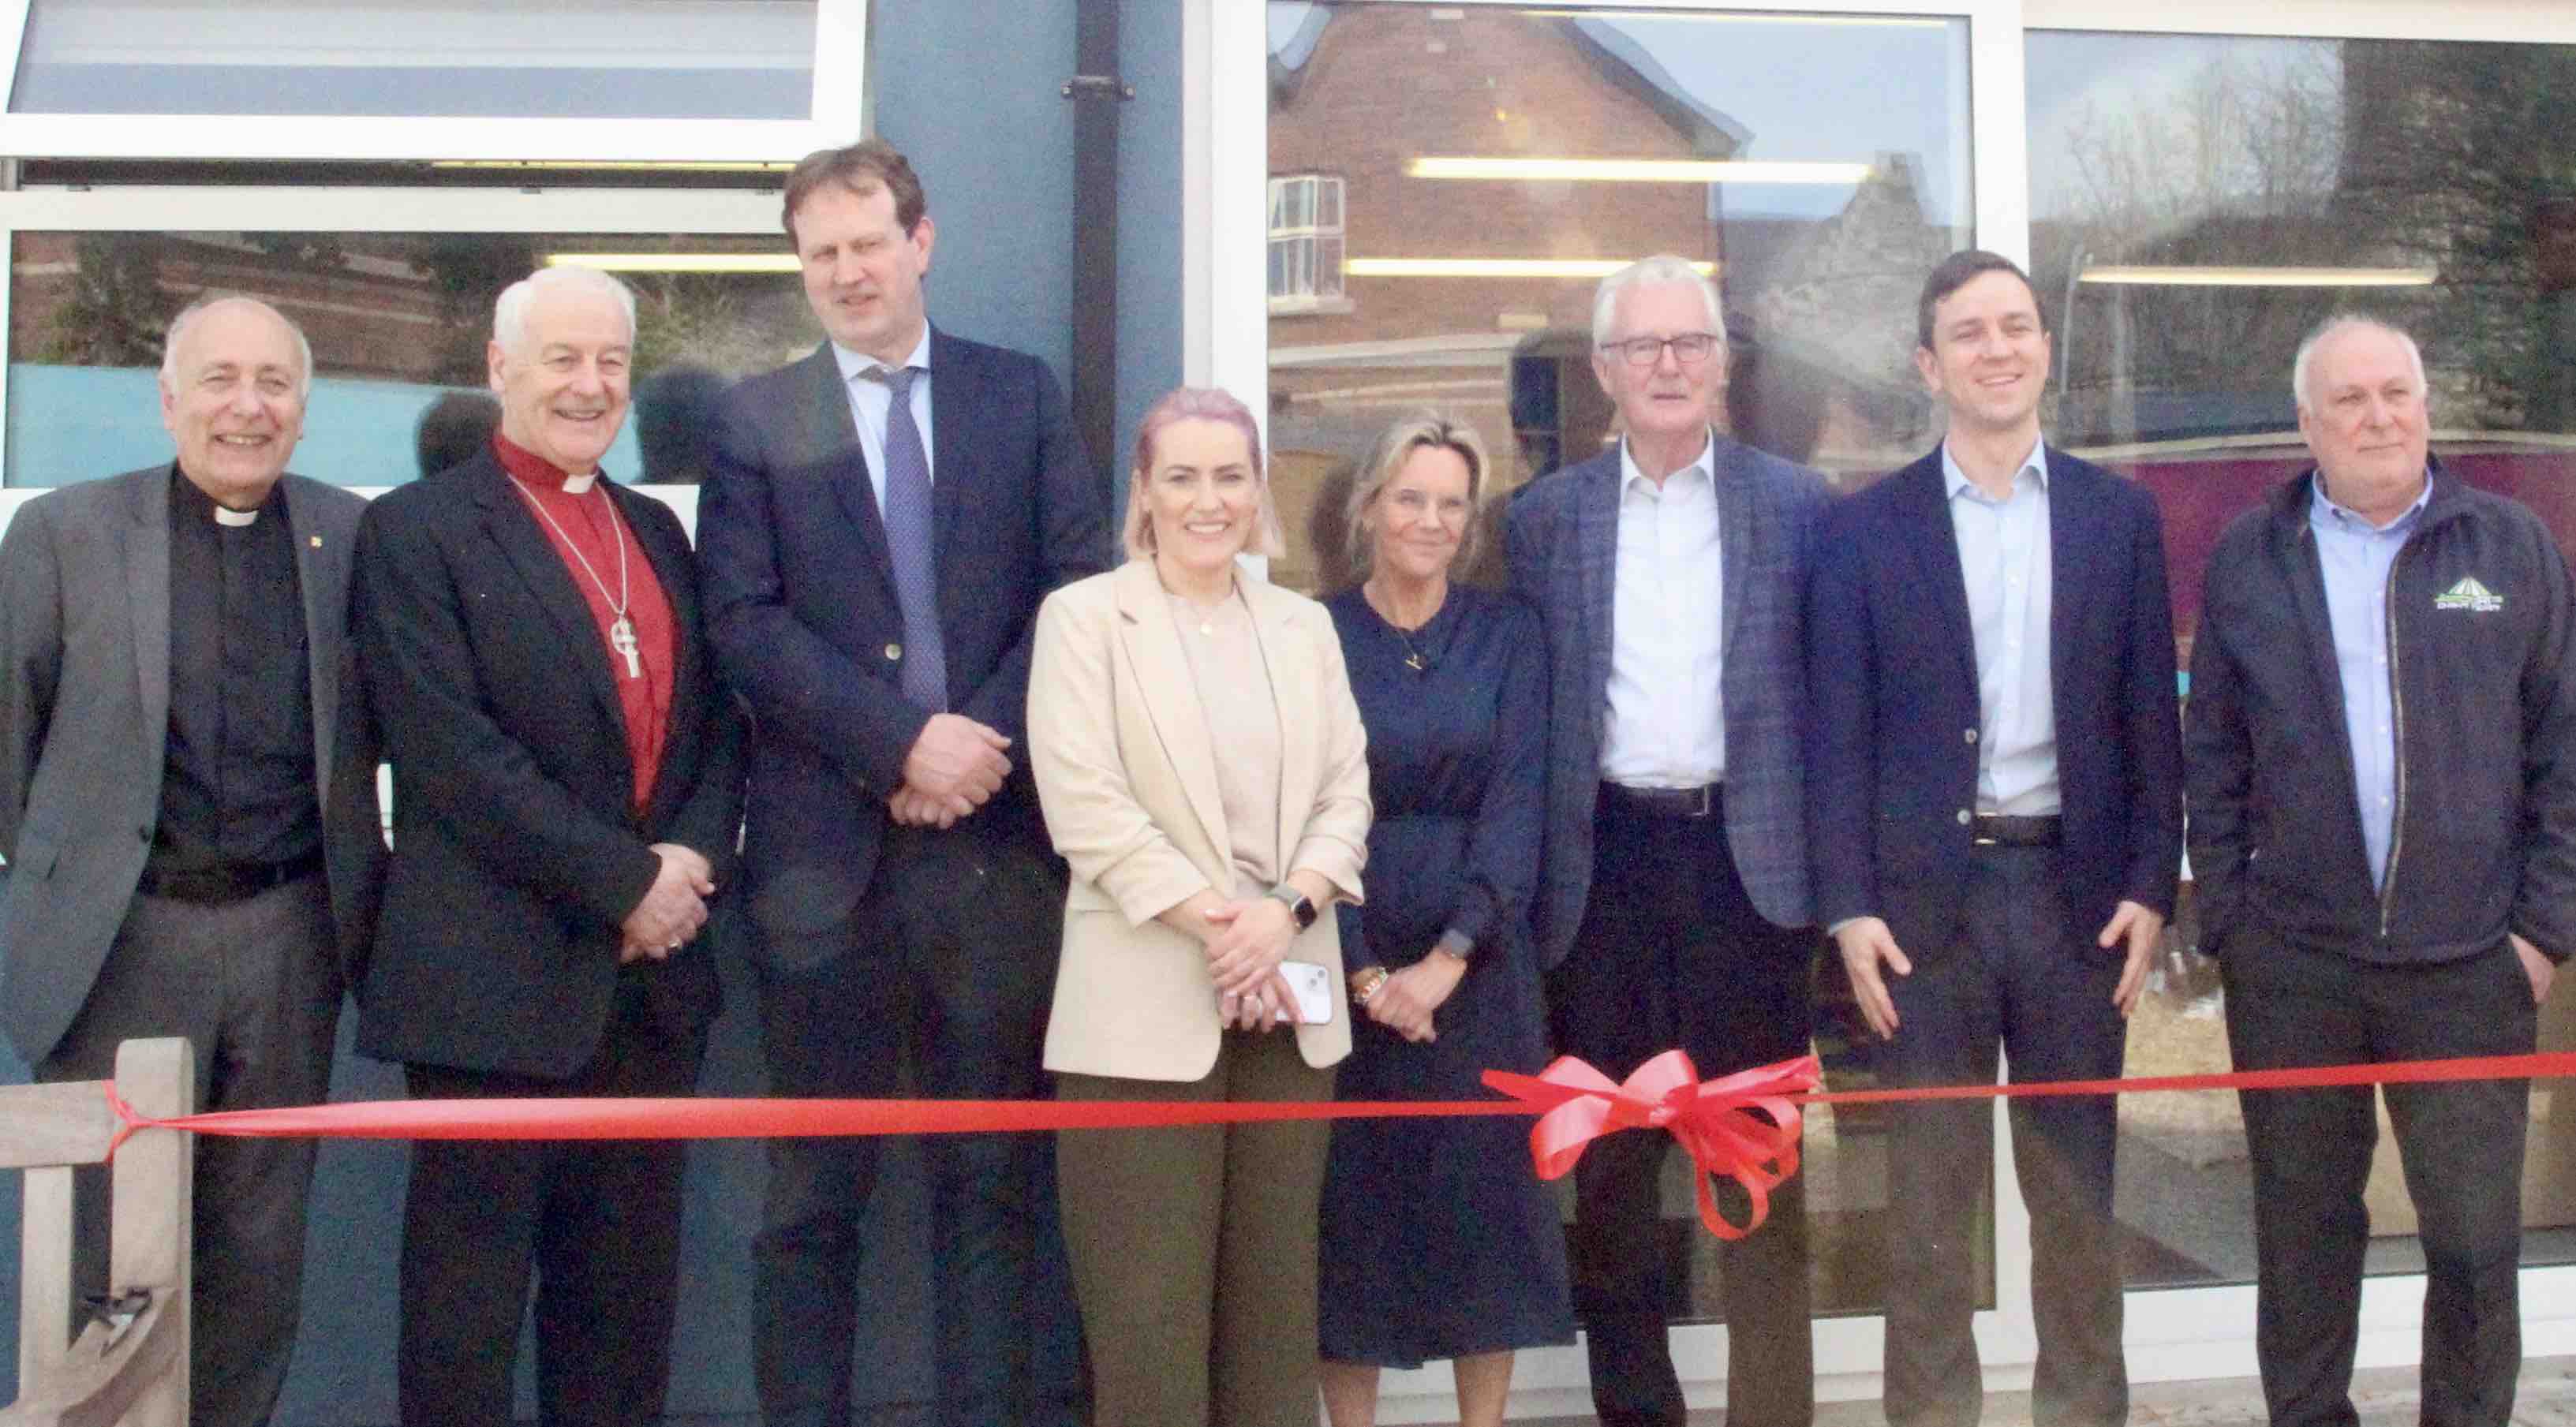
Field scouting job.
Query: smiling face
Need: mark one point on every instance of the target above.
(1417, 520)
(1669, 399)
(1201, 497)
(1988, 361)
(862, 271)
(2366, 419)
(234, 401)
(563, 393)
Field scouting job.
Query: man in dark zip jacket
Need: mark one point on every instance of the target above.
(2403, 890)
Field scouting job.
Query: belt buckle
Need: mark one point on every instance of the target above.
(1702, 810)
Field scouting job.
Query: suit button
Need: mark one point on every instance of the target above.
(143, 833)
(1972, 735)
(894, 651)
(1963, 817)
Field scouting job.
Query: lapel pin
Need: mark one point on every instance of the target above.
(317, 542)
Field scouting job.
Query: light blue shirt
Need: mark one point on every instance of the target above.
(871, 398)
(2004, 551)
(2356, 558)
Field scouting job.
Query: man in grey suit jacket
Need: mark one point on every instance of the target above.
(187, 803)
(1673, 901)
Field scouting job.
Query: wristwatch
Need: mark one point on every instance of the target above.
(1299, 905)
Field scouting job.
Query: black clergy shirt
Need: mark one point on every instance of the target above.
(237, 785)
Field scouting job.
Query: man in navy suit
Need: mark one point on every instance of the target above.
(1673, 906)
(882, 520)
(1994, 788)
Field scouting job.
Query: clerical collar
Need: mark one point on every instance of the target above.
(536, 470)
(196, 498)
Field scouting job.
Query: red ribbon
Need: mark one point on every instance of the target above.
(1742, 1127)
(1716, 1121)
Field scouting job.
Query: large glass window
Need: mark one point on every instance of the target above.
(1493, 163)
(590, 59)
(397, 320)
(2198, 204)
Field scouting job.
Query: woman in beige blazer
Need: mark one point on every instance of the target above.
(1204, 772)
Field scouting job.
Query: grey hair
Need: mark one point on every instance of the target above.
(1413, 431)
(2336, 326)
(1656, 271)
(214, 297)
(510, 313)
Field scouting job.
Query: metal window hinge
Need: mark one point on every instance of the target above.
(1098, 86)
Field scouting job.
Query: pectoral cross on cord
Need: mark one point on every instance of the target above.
(621, 637)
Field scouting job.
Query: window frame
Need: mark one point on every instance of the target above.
(837, 109)
(1313, 294)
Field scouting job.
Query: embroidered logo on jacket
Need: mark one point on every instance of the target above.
(2469, 595)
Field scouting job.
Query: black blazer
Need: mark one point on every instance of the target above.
(802, 610)
(516, 854)
(1892, 690)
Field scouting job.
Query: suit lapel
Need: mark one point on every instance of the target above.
(670, 563)
(515, 528)
(147, 587)
(956, 398)
(1939, 577)
(1735, 553)
(1597, 528)
(1153, 646)
(2074, 532)
(1280, 648)
(832, 437)
(319, 577)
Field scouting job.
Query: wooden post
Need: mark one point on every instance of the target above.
(149, 1237)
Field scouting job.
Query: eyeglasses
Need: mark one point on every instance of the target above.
(1690, 348)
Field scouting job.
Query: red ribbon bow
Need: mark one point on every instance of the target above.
(1716, 1122)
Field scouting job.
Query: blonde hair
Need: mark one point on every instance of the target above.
(1197, 403)
(1411, 432)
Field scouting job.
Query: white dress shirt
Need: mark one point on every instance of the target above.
(1666, 725)
(2004, 552)
(870, 398)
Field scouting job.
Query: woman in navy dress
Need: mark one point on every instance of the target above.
(1438, 1240)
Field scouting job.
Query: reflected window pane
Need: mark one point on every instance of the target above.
(1485, 165)
(585, 59)
(396, 321)
(2199, 203)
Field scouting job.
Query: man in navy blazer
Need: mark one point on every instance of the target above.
(1994, 788)
(1673, 909)
(882, 520)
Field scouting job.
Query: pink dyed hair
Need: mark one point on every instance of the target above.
(1196, 403)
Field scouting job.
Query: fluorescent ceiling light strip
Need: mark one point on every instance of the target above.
(1638, 170)
(677, 262)
(621, 165)
(2262, 277)
(1492, 267)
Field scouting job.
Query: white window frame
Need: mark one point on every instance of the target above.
(1311, 295)
(836, 110)
(2171, 1334)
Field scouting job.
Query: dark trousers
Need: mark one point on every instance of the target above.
(254, 985)
(1194, 1247)
(952, 952)
(2461, 1144)
(597, 1221)
(2021, 975)
(1672, 953)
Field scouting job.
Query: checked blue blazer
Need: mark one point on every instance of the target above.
(1563, 534)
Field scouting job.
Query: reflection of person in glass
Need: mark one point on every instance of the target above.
(1995, 794)
(567, 785)
(454, 429)
(177, 667)
(1672, 906)
(1202, 769)
(1452, 686)
(2383, 833)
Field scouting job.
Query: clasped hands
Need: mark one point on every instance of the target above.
(1406, 1000)
(1245, 941)
(674, 908)
(1867, 945)
(955, 766)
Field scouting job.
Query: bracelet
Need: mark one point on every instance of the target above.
(1372, 981)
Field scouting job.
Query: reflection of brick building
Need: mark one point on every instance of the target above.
(1358, 99)
(366, 315)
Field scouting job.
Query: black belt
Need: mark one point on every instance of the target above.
(1696, 802)
(1995, 830)
(231, 882)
